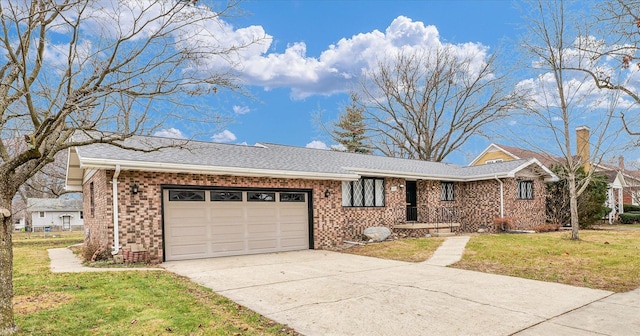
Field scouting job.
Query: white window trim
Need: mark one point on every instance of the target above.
(354, 193)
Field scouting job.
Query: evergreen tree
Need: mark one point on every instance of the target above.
(350, 130)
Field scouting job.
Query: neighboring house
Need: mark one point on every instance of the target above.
(209, 199)
(19, 224)
(624, 185)
(55, 214)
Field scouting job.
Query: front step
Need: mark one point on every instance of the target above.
(418, 225)
(443, 232)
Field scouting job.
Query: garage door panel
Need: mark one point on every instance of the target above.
(259, 244)
(298, 243)
(224, 228)
(260, 216)
(235, 211)
(235, 247)
(227, 229)
(263, 228)
(188, 251)
(188, 231)
(187, 212)
(221, 238)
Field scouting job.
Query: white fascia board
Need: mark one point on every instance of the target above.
(211, 170)
(72, 188)
(552, 177)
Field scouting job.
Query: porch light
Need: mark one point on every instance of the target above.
(327, 193)
(134, 189)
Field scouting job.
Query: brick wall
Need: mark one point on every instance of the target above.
(141, 214)
(99, 224)
(483, 198)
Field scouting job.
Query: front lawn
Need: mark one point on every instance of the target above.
(120, 303)
(412, 250)
(608, 260)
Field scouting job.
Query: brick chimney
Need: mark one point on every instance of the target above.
(621, 162)
(582, 141)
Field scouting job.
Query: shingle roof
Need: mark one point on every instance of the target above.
(545, 159)
(193, 155)
(53, 204)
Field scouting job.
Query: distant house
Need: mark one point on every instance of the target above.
(55, 214)
(624, 185)
(19, 223)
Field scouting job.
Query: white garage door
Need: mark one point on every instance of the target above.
(215, 223)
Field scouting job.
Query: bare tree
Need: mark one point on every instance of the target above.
(425, 105)
(559, 96)
(105, 70)
(611, 37)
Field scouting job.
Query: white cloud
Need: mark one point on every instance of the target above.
(241, 109)
(170, 133)
(317, 144)
(336, 68)
(339, 147)
(224, 136)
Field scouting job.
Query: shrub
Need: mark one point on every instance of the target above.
(547, 228)
(631, 208)
(93, 251)
(629, 217)
(503, 223)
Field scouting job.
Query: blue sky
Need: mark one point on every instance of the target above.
(290, 78)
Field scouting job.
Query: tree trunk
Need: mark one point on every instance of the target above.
(573, 205)
(7, 324)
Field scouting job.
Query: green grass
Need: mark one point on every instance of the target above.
(608, 260)
(120, 303)
(412, 250)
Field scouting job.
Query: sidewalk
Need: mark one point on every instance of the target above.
(449, 252)
(64, 261)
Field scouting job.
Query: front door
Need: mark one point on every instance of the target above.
(66, 222)
(412, 201)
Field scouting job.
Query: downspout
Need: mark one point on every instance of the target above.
(501, 196)
(116, 238)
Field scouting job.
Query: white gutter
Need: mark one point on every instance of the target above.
(409, 176)
(219, 170)
(116, 238)
(501, 196)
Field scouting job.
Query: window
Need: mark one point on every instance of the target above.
(186, 195)
(261, 197)
(226, 196)
(525, 190)
(291, 197)
(447, 191)
(41, 214)
(92, 202)
(493, 161)
(366, 192)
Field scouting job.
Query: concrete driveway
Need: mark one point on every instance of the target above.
(329, 293)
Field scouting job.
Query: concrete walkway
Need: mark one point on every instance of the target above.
(449, 252)
(64, 261)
